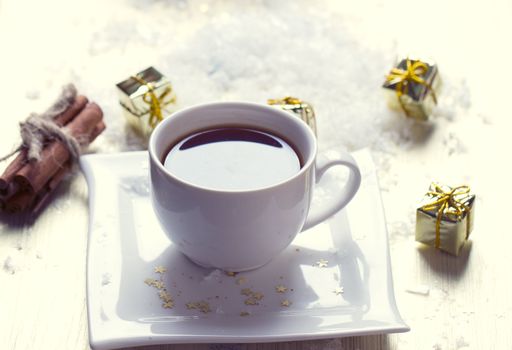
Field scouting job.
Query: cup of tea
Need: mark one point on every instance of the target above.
(232, 182)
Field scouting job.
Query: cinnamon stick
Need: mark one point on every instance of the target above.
(33, 176)
(11, 170)
(70, 113)
(12, 188)
(98, 129)
(21, 159)
(54, 182)
(46, 193)
(18, 202)
(26, 199)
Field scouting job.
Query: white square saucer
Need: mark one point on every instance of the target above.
(333, 281)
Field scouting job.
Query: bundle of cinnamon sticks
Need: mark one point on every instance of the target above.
(27, 185)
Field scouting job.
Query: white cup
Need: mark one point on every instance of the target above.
(238, 230)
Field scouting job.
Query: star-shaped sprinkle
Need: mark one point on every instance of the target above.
(168, 305)
(203, 306)
(244, 313)
(241, 280)
(251, 301)
(281, 289)
(231, 274)
(286, 303)
(191, 306)
(165, 296)
(159, 285)
(257, 295)
(151, 281)
(322, 263)
(246, 291)
(160, 269)
(338, 291)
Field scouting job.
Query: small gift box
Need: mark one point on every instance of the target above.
(445, 218)
(145, 98)
(413, 86)
(300, 108)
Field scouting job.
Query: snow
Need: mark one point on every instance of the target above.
(419, 290)
(9, 265)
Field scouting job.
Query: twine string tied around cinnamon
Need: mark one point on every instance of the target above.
(38, 129)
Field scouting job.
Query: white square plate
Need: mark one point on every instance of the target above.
(337, 275)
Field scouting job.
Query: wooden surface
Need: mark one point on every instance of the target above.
(465, 302)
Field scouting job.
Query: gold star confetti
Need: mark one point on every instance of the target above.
(165, 296)
(150, 281)
(251, 301)
(202, 306)
(254, 297)
(257, 295)
(281, 289)
(168, 305)
(231, 274)
(338, 291)
(322, 263)
(160, 269)
(246, 291)
(159, 285)
(191, 306)
(244, 313)
(286, 303)
(241, 280)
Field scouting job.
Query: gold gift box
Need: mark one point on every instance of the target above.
(146, 98)
(299, 108)
(445, 217)
(415, 99)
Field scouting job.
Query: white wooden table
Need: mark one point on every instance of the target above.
(44, 44)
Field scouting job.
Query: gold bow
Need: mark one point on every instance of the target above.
(412, 74)
(155, 102)
(447, 203)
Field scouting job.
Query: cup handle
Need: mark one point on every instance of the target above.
(317, 215)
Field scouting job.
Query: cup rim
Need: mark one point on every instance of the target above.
(155, 159)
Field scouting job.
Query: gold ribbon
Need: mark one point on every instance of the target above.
(447, 203)
(412, 74)
(155, 102)
(299, 107)
(288, 100)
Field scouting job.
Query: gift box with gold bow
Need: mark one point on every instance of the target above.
(297, 107)
(445, 218)
(413, 87)
(146, 99)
